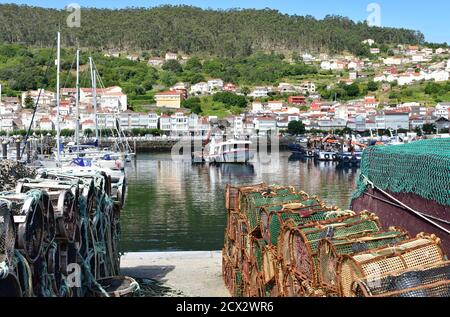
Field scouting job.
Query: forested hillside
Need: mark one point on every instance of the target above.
(190, 30)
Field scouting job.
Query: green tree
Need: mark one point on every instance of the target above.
(173, 66)
(88, 133)
(352, 90)
(429, 128)
(372, 86)
(194, 104)
(230, 99)
(296, 128)
(29, 102)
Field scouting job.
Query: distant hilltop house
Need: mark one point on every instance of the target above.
(169, 99)
(334, 65)
(171, 56)
(369, 42)
(156, 62)
(199, 89)
(393, 61)
(215, 85)
(259, 92)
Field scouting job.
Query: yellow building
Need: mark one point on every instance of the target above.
(168, 99)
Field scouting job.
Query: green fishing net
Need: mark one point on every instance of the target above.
(421, 168)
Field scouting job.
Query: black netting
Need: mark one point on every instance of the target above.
(431, 282)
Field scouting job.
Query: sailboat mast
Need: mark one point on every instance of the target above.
(77, 103)
(94, 96)
(58, 128)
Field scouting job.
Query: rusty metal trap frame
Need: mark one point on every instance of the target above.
(279, 242)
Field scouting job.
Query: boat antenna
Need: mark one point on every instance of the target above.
(94, 96)
(27, 136)
(58, 70)
(77, 103)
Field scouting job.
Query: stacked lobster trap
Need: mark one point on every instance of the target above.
(284, 243)
(59, 234)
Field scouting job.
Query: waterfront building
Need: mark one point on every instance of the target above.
(168, 99)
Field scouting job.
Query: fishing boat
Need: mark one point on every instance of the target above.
(396, 184)
(350, 158)
(329, 156)
(230, 151)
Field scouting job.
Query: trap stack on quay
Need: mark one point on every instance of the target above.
(283, 243)
(59, 237)
(408, 185)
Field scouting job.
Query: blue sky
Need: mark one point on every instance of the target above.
(430, 17)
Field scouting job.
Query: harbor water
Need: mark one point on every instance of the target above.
(177, 206)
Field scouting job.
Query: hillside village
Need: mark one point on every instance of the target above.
(270, 108)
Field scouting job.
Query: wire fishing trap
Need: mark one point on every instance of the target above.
(282, 243)
(63, 217)
(414, 253)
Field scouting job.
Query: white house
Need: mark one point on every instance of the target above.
(393, 61)
(7, 123)
(165, 123)
(260, 92)
(308, 58)
(46, 98)
(265, 124)
(257, 107)
(199, 89)
(369, 42)
(153, 120)
(438, 76)
(215, 85)
(275, 105)
(308, 87)
(238, 125)
(171, 56)
(155, 62)
(328, 65)
(179, 124)
(442, 110)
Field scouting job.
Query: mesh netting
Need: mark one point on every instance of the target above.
(428, 282)
(277, 220)
(257, 248)
(330, 250)
(420, 168)
(269, 264)
(7, 237)
(255, 201)
(410, 254)
(233, 195)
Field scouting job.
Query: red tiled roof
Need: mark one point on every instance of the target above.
(173, 93)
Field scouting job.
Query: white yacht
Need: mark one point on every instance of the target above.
(230, 151)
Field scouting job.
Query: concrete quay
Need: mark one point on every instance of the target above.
(194, 274)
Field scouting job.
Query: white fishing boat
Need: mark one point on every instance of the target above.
(327, 156)
(230, 151)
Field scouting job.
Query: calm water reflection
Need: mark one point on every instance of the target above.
(175, 205)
